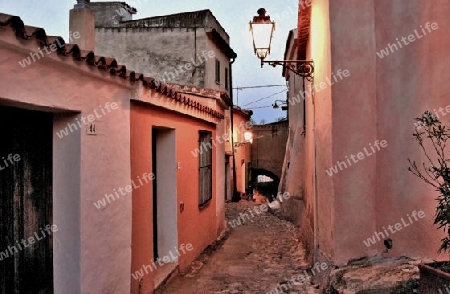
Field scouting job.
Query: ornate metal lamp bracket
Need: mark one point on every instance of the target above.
(303, 68)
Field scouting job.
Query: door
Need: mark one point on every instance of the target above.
(165, 232)
(26, 255)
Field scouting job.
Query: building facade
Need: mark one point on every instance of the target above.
(294, 167)
(242, 140)
(343, 203)
(269, 146)
(183, 215)
(90, 185)
(189, 48)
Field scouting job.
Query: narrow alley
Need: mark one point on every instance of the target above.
(262, 255)
(212, 147)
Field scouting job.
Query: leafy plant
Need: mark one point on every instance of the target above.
(435, 171)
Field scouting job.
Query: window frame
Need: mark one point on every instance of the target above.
(205, 162)
(217, 77)
(227, 79)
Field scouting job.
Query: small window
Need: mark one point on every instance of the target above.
(205, 167)
(226, 79)
(217, 71)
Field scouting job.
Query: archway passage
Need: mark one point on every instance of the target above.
(264, 182)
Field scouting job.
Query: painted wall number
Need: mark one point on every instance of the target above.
(92, 129)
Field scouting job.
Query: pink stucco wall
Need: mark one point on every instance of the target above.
(318, 134)
(243, 152)
(409, 81)
(293, 172)
(354, 124)
(91, 250)
(378, 101)
(196, 226)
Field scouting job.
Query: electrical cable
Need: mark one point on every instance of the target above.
(265, 97)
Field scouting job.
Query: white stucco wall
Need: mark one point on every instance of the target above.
(167, 204)
(92, 246)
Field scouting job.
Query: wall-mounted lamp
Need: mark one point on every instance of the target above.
(284, 105)
(262, 28)
(248, 139)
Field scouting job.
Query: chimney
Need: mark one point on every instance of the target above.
(82, 25)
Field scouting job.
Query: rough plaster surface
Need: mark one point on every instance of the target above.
(161, 52)
(354, 187)
(82, 21)
(418, 81)
(110, 14)
(174, 48)
(242, 153)
(220, 178)
(92, 247)
(195, 226)
(268, 150)
(157, 52)
(377, 102)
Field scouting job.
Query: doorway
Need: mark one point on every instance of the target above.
(165, 232)
(26, 201)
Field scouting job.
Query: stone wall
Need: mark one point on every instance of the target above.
(269, 146)
(170, 55)
(173, 49)
(110, 14)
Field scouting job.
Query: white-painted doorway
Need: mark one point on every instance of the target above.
(165, 231)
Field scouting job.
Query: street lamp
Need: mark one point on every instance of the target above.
(262, 28)
(248, 139)
(283, 103)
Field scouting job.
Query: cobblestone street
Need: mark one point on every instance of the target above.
(258, 256)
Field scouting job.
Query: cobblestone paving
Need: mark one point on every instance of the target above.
(258, 255)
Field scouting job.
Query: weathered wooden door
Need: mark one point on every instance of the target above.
(25, 202)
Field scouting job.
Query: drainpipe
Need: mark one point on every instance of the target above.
(235, 196)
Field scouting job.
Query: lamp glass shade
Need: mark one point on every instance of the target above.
(262, 33)
(248, 137)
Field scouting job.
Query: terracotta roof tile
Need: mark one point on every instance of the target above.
(102, 63)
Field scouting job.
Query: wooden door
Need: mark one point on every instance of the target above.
(25, 202)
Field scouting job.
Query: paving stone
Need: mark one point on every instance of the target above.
(376, 274)
(258, 255)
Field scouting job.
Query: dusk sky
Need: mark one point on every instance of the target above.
(234, 16)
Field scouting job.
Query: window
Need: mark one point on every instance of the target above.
(217, 71)
(205, 167)
(226, 79)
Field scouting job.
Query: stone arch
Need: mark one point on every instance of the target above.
(269, 189)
